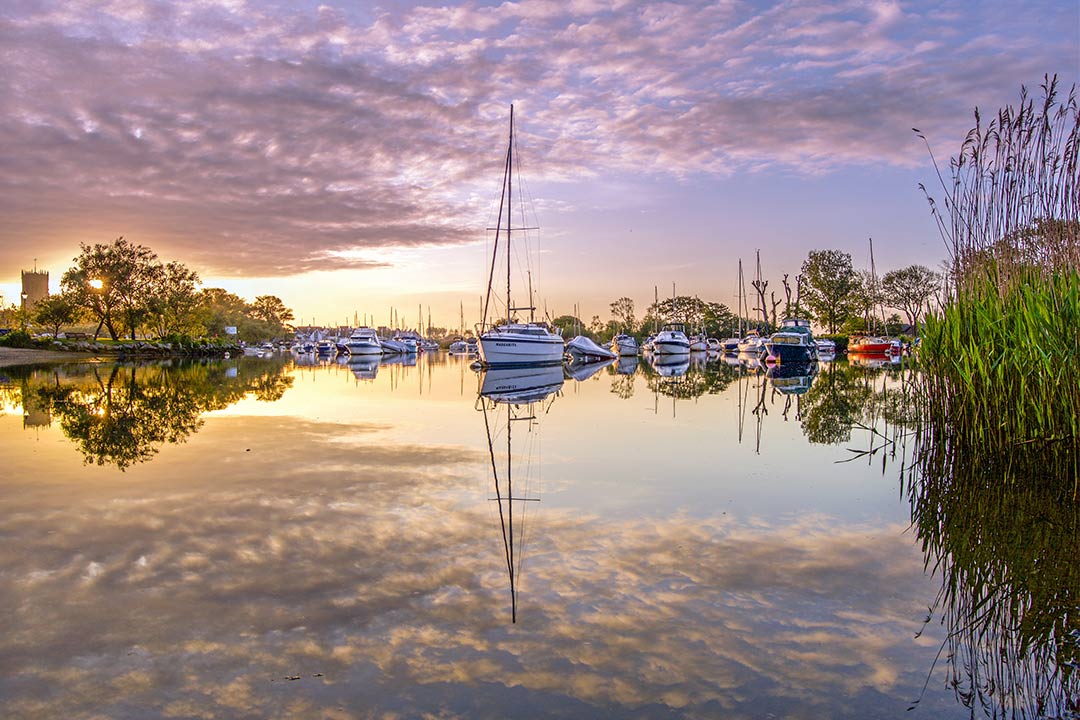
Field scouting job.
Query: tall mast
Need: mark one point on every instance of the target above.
(509, 206)
(503, 196)
(742, 299)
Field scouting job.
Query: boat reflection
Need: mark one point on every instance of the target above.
(874, 360)
(626, 365)
(364, 367)
(507, 398)
(520, 384)
(582, 371)
(670, 365)
(792, 378)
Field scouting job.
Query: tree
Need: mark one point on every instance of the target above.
(831, 286)
(173, 302)
(272, 310)
(219, 309)
(910, 290)
(622, 310)
(112, 283)
(56, 311)
(568, 325)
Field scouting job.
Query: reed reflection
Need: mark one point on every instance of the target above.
(1002, 530)
(518, 398)
(121, 414)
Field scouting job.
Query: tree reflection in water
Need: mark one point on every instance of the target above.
(121, 414)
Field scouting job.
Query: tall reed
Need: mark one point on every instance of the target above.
(1001, 362)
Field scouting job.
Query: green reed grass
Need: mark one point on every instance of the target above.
(1001, 362)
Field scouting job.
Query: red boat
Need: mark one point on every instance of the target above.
(866, 344)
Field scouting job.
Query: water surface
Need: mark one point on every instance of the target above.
(282, 537)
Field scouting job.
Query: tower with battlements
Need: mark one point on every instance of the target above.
(35, 286)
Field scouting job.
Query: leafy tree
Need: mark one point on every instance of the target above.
(112, 282)
(173, 301)
(56, 311)
(831, 286)
(910, 290)
(682, 309)
(569, 325)
(219, 308)
(272, 310)
(622, 310)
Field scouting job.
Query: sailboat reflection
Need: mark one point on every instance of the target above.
(520, 384)
(509, 396)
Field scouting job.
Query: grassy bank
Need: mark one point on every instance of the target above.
(1002, 367)
(1001, 361)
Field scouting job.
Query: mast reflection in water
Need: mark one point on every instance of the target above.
(510, 397)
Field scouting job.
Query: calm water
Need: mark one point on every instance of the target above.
(262, 538)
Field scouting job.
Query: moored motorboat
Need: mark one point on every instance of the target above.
(583, 348)
(869, 344)
(624, 345)
(698, 343)
(363, 341)
(752, 344)
(793, 342)
(671, 340)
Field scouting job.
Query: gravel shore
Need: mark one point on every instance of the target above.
(20, 356)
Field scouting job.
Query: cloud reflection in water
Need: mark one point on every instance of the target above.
(376, 578)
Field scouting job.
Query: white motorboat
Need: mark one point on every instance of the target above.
(826, 349)
(363, 341)
(671, 340)
(730, 345)
(582, 348)
(624, 345)
(715, 346)
(514, 343)
(699, 343)
(752, 344)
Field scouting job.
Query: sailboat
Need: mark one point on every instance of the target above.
(513, 343)
(872, 344)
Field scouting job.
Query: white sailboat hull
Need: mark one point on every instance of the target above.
(507, 347)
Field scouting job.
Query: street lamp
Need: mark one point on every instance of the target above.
(24, 311)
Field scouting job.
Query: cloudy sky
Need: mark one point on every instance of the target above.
(347, 156)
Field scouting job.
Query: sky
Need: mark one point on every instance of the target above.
(347, 157)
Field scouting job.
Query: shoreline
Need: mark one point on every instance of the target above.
(29, 356)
